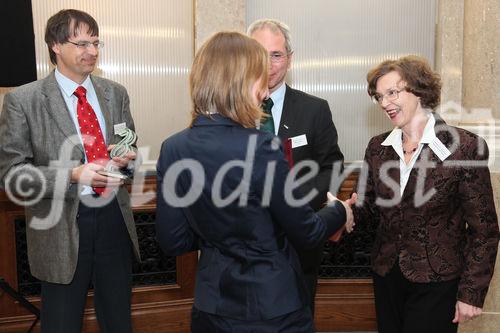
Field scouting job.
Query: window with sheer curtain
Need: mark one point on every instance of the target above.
(148, 49)
(335, 44)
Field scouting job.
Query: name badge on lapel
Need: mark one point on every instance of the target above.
(119, 127)
(299, 141)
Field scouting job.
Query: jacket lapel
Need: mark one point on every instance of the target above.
(432, 163)
(54, 104)
(430, 157)
(388, 154)
(288, 114)
(411, 185)
(103, 96)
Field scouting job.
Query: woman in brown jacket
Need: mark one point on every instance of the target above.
(428, 187)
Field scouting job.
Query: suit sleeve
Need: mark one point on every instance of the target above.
(129, 121)
(173, 232)
(482, 233)
(326, 152)
(127, 116)
(305, 228)
(365, 209)
(17, 158)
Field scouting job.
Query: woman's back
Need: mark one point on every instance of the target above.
(247, 269)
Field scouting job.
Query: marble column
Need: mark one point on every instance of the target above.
(449, 49)
(468, 59)
(481, 69)
(215, 15)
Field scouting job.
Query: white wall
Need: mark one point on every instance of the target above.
(336, 42)
(148, 48)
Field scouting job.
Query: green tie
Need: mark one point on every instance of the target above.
(268, 123)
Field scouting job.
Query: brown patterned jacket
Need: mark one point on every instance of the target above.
(452, 234)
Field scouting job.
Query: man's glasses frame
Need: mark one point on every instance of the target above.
(87, 44)
(277, 57)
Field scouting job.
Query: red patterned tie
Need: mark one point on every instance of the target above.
(93, 140)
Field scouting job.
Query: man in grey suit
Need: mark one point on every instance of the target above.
(54, 137)
(306, 121)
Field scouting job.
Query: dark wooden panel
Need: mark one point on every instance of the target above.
(158, 308)
(345, 305)
(171, 317)
(342, 304)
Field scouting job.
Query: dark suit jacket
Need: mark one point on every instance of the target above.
(452, 235)
(35, 123)
(310, 115)
(247, 269)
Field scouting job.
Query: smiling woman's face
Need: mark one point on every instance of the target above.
(402, 109)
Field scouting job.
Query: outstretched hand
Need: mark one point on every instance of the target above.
(349, 224)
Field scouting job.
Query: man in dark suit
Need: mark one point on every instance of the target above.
(55, 132)
(306, 121)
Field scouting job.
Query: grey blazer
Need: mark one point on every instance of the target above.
(35, 127)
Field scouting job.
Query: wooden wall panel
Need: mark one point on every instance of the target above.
(341, 304)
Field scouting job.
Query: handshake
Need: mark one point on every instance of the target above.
(349, 223)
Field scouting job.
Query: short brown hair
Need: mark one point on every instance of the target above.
(420, 79)
(65, 23)
(223, 73)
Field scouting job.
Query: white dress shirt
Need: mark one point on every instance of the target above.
(395, 139)
(278, 97)
(68, 87)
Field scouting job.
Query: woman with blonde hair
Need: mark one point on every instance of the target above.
(222, 189)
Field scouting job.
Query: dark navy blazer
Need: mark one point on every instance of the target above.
(247, 268)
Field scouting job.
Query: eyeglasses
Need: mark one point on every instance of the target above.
(277, 57)
(86, 45)
(391, 95)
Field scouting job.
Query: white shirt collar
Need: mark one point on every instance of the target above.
(279, 94)
(69, 86)
(429, 137)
